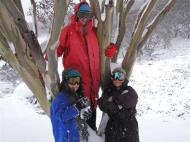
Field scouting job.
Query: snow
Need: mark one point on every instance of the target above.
(2, 63)
(163, 108)
(19, 121)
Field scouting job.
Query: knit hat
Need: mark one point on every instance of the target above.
(84, 7)
(69, 73)
(119, 69)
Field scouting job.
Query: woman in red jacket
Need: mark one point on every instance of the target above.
(79, 46)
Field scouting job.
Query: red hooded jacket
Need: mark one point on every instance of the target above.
(81, 53)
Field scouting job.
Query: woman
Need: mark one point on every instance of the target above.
(67, 106)
(119, 102)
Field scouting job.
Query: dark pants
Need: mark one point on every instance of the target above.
(92, 121)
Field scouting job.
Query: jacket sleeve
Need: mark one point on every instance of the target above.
(62, 41)
(128, 99)
(61, 111)
(108, 107)
(69, 113)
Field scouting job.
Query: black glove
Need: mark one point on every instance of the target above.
(82, 103)
(86, 113)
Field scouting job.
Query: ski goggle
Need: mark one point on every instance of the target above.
(117, 75)
(74, 80)
(82, 15)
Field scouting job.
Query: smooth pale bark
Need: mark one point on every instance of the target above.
(131, 53)
(34, 17)
(150, 27)
(123, 12)
(60, 9)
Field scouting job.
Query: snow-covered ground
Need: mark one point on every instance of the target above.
(163, 108)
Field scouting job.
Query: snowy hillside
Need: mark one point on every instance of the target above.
(163, 108)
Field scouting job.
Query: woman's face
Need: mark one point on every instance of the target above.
(118, 78)
(117, 83)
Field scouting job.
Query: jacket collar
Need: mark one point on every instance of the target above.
(78, 26)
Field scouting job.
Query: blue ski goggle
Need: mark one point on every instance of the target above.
(118, 75)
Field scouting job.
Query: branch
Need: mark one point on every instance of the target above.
(96, 9)
(4, 43)
(149, 29)
(139, 15)
(28, 36)
(104, 40)
(102, 6)
(5, 23)
(122, 24)
(34, 17)
(119, 6)
(122, 20)
(60, 10)
(19, 5)
(8, 26)
(130, 56)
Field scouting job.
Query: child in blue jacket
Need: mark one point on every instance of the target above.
(66, 108)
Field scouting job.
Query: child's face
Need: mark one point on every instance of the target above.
(75, 87)
(74, 82)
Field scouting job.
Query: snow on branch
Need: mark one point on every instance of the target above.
(150, 27)
(131, 52)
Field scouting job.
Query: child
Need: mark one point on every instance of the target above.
(119, 102)
(68, 104)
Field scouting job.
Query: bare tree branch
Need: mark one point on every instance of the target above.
(31, 77)
(105, 34)
(139, 15)
(27, 35)
(34, 17)
(122, 24)
(130, 56)
(149, 29)
(96, 9)
(19, 5)
(119, 6)
(60, 10)
(102, 6)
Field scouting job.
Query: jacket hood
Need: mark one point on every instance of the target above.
(74, 19)
(76, 7)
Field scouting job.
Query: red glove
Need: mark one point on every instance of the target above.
(111, 50)
(46, 56)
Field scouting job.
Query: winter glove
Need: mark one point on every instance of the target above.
(46, 57)
(82, 103)
(83, 129)
(86, 113)
(111, 50)
(110, 99)
(112, 108)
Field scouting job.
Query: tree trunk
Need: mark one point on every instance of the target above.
(20, 48)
